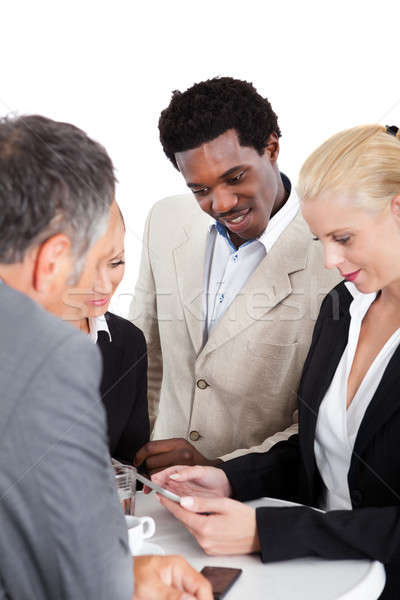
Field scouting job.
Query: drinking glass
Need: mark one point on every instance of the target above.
(125, 478)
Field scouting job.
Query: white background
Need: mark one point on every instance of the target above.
(110, 66)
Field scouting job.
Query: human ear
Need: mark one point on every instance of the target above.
(52, 263)
(271, 150)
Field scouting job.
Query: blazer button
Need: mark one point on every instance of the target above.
(194, 436)
(202, 384)
(356, 498)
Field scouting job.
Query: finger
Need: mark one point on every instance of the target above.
(191, 520)
(189, 473)
(167, 593)
(169, 459)
(161, 590)
(155, 447)
(196, 584)
(213, 505)
(164, 475)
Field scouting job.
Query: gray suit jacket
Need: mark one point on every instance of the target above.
(62, 530)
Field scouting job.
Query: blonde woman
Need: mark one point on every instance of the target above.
(346, 458)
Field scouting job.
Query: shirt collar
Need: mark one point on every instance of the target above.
(275, 225)
(97, 324)
(361, 302)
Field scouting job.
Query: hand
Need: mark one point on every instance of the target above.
(168, 578)
(166, 453)
(224, 526)
(206, 482)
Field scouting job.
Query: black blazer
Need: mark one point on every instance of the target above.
(124, 387)
(289, 471)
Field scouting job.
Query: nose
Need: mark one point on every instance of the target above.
(103, 283)
(223, 200)
(333, 256)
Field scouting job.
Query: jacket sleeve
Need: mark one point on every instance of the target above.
(143, 313)
(60, 513)
(372, 533)
(267, 444)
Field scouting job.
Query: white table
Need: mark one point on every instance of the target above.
(300, 579)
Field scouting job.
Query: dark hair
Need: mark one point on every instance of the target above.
(209, 108)
(53, 179)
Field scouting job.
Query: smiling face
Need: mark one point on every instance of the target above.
(234, 184)
(103, 272)
(363, 245)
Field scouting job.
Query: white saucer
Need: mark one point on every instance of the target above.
(149, 548)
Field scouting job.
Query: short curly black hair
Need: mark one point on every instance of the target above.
(209, 108)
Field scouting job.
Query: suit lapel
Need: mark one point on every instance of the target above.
(266, 287)
(385, 402)
(189, 257)
(323, 364)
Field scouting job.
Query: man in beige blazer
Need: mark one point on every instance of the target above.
(227, 304)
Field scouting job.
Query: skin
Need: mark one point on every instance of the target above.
(356, 241)
(103, 272)
(219, 524)
(228, 180)
(43, 275)
(168, 578)
(366, 245)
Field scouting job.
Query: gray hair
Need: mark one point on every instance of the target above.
(53, 179)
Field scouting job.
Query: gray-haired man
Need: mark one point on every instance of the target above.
(62, 530)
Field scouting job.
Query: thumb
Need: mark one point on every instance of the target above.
(205, 505)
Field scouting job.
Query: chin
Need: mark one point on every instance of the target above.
(367, 288)
(97, 312)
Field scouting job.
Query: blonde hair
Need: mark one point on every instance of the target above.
(364, 161)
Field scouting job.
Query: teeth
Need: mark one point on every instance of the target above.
(237, 220)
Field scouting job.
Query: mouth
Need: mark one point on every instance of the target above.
(351, 276)
(100, 302)
(238, 221)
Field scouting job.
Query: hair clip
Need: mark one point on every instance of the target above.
(392, 129)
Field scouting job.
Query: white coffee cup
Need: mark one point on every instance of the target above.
(139, 529)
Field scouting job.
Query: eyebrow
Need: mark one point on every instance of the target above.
(113, 253)
(226, 174)
(334, 232)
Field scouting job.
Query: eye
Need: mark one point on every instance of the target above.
(315, 238)
(201, 192)
(117, 263)
(342, 240)
(236, 178)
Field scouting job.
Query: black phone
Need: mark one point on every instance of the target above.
(221, 579)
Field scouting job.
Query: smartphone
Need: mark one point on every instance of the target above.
(157, 488)
(221, 579)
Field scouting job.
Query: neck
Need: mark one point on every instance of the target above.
(390, 295)
(281, 197)
(82, 324)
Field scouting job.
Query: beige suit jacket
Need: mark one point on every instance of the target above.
(238, 392)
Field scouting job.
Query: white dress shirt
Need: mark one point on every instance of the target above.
(97, 324)
(227, 268)
(337, 427)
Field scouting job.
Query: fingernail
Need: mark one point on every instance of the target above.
(187, 597)
(187, 502)
(175, 476)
